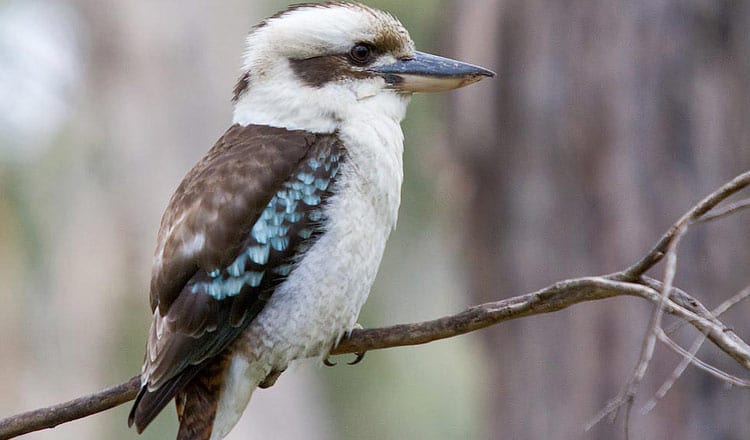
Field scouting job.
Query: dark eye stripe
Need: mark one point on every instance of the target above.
(319, 71)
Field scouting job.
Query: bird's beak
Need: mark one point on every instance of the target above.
(429, 73)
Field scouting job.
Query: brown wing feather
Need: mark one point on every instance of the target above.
(218, 202)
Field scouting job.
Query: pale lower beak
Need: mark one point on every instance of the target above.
(430, 73)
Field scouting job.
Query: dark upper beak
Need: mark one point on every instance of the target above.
(430, 73)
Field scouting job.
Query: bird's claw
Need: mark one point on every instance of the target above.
(360, 355)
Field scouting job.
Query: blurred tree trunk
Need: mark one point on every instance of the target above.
(607, 120)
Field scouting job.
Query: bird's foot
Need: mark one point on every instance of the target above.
(359, 354)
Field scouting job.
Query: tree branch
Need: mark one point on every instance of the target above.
(558, 296)
(703, 207)
(52, 416)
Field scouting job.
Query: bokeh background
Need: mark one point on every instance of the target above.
(607, 120)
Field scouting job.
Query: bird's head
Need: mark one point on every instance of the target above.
(311, 65)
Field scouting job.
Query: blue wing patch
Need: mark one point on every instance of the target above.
(285, 229)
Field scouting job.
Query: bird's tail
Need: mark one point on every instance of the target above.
(210, 399)
(230, 386)
(148, 404)
(197, 403)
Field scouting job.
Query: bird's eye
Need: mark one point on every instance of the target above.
(361, 54)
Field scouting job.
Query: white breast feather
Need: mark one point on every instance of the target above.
(321, 299)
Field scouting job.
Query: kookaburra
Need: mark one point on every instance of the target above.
(269, 246)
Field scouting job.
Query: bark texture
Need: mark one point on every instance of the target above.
(606, 120)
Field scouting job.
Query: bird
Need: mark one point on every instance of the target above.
(269, 246)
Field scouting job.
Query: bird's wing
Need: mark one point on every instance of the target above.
(230, 234)
(217, 203)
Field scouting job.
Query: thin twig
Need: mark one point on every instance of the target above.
(726, 377)
(708, 203)
(649, 342)
(697, 344)
(731, 302)
(718, 311)
(725, 212)
(676, 373)
(624, 399)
